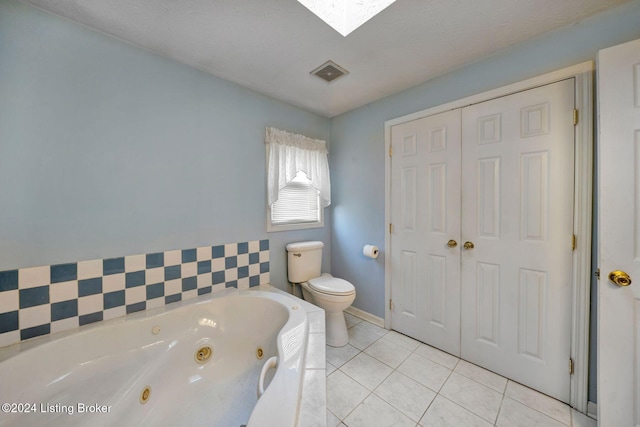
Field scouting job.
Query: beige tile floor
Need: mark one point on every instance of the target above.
(383, 378)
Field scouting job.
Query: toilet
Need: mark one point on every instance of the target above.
(327, 292)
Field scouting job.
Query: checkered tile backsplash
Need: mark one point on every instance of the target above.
(44, 300)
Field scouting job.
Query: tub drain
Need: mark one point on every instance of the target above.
(259, 353)
(145, 395)
(203, 354)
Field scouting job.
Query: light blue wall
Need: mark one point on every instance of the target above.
(357, 156)
(108, 150)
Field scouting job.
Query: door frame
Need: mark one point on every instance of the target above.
(583, 205)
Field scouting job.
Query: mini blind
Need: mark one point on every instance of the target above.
(298, 202)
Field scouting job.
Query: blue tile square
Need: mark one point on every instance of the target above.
(134, 279)
(172, 298)
(254, 281)
(113, 299)
(64, 309)
(243, 272)
(204, 267)
(155, 260)
(112, 266)
(189, 283)
(139, 306)
(205, 290)
(217, 277)
(231, 284)
(230, 262)
(8, 321)
(64, 272)
(188, 255)
(264, 267)
(8, 280)
(36, 331)
(243, 248)
(217, 251)
(90, 318)
(155, 291)
(264, 245)
(89, 287)
(172, 272)
(34, 296)
(254, 258)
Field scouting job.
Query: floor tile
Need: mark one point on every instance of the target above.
(330, 368)
(332, 420)
(351, 320)
(343, 394)
(366, 370)
(338, 356)
(408, 396)
(513, 413)
(444, 413)
(361, 338)
(580, 420)
(375, 412)
(473, 396)
(425, 371)
(402, 340)
(481, 375)
(371, 328)
(313, 404)
(438, 356)
(388, 352)
(540, 402)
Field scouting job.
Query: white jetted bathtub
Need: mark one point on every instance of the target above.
(195, 363)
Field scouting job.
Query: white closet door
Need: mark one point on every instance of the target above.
(425, 213)
(619, 235)
(517, 211)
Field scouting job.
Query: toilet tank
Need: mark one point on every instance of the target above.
(304, 261)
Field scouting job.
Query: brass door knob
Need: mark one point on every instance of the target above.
(620, 278)
(452, 243)
(468, 245)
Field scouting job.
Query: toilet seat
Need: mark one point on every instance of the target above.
(331, 285)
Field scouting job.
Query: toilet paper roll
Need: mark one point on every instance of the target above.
(370, 251)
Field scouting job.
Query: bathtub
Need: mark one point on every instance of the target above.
(196, 363)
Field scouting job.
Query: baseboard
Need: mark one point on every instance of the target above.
(592, 410)
(378, 321)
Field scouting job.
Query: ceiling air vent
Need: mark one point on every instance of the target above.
(329, 71)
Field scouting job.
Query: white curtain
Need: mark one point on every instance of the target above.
(290, 153)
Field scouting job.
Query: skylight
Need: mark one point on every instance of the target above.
(344, 16)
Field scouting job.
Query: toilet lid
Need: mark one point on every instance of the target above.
(332, 285)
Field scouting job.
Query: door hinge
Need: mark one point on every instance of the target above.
(576, 116)
(597, 274)
(570, 366)
(574, 242)
(390, 228)
(390, 304)
(391, 151)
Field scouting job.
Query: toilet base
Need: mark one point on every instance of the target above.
(336, 326)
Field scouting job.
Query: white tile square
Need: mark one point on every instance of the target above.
(203, 253)
(372, 329)
(9, 301)
(438, 356)
(63, 291)
(90, 269)
(254, 246)
(343, 394)
(540, 402)
(481, 375)
(231, 274)
(135, 263)
(9, 338)
(218, 288)
(134, 295)
(444, 413)
(34, 276)
(65, 324)
(388, 352)
(513, 413)
(402, 340)
(313, 406)
(34, 316)
(316, 356)
(204, 280)
(172, 258)
(254, 269)
(264, 256)
(230, 249)
(189, 269)
(193, 293)
(375, 412)
(113, 282)
(477, 398)
(155, 303)
(115, 312)
(217, 264)
(366, 370)
(243, 283)
(154, 275)
(338, 356)
(90, 304)
(361, 338)
(172, 287)
(265, 278)
(426, 372)
(243, 260)
(408, 396)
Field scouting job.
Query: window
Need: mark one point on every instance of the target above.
(297, 181)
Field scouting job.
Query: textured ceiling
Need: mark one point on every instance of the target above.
(272, 45)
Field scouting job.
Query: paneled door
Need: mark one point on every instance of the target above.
(425, 211)
(517, 228)
(619, 236)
